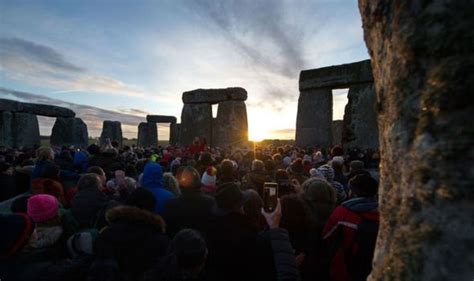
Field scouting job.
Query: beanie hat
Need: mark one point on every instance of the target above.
(42, 207)
(338, 159)
(229, 196)
(287, 161)
(363, 185)
(327, 171)
(208, 179)
(314, 173)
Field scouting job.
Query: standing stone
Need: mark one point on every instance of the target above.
(69, 131)
(422, 58)
(337, 126)
(196, 121)
(147, 134)
(215, 95)
(231, 125)
(175, 133)
(34, 108)
(314, 118)
(111, 130)
(6, 134)
(25, 130)
(360, 120)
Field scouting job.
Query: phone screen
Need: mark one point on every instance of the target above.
(270, 196)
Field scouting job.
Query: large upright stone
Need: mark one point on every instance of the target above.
(337, 127)
(215, 95)
(314, 118)
(69, 131)
(33, 108)
(422, 58)
(111, 130)
(147, 134)
(175, 131)
(6, 135)
(360, 120)
(231, 127)
(25, 130)
(196, 121)
(161, 119)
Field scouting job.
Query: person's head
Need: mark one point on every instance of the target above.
(277, 158)
(297, 167)
(142, 198)
(171, 183)
(152, 176)
(320, 196)
(99, 172)
(337, 150)
(356, 165)
(50, 171)
(42, 208)
(188, 178)
(190, 250)
(258, 166)
(89, 181)
(269, 165)
(205, 159)
(337, 163)
(44, 153)
(229, 197)
(93, 149)
(295, 213)
(253, 204)
(208, 180)
(327, 171)
(363, 185)
(227, 168)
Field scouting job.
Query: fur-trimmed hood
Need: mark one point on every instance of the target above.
(135, 215)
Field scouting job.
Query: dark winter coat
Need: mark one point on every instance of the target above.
(87, 205)
(135, 239)
(192, 209)
(255, 180)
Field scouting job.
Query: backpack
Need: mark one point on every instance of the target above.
(360, 253)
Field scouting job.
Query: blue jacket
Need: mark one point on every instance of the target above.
(153, 180)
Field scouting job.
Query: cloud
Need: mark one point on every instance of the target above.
(41, 65)
(92, 116)
(248, 25)
(19, 49)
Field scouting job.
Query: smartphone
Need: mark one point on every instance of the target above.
(270, 196)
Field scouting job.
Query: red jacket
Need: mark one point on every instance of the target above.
(339, 233)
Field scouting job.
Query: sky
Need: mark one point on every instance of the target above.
(121, 60)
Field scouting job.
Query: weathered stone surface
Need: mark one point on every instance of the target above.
(175, 129)
(215, 95)
(231, 127)
(360, 119)
(422, 58)
(147, 134)
(6, 135)
(336, 76)
(314, 118)
(33, 108)
(196, 121)
(111, 130)
(25, 130)
(337, 132)
(69, 131)
(161, 119)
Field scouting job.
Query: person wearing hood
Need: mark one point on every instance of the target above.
(256, 177)
(152, 180)
(109, 161)
(351, 231)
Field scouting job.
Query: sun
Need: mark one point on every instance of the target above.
(257, 131)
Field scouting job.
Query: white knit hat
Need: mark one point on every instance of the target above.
(208, 179)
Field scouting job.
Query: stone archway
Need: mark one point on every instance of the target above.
(422, 58)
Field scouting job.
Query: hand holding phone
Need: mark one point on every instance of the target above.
(273, 219)
(270, 196)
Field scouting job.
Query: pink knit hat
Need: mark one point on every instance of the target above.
(42, 207)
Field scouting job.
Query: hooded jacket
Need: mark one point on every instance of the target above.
(343, 223)
(152, 180)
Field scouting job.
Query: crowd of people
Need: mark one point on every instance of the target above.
(186, 213)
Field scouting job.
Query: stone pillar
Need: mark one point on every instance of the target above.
(360, 119)
(231, 125)
(69, 131)
(337, 132)
(25, 130)
(314, 118)
(111, 130)
(196, 121)
(422, 61)
(174, 133)
(147, 134)
(6, 135)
